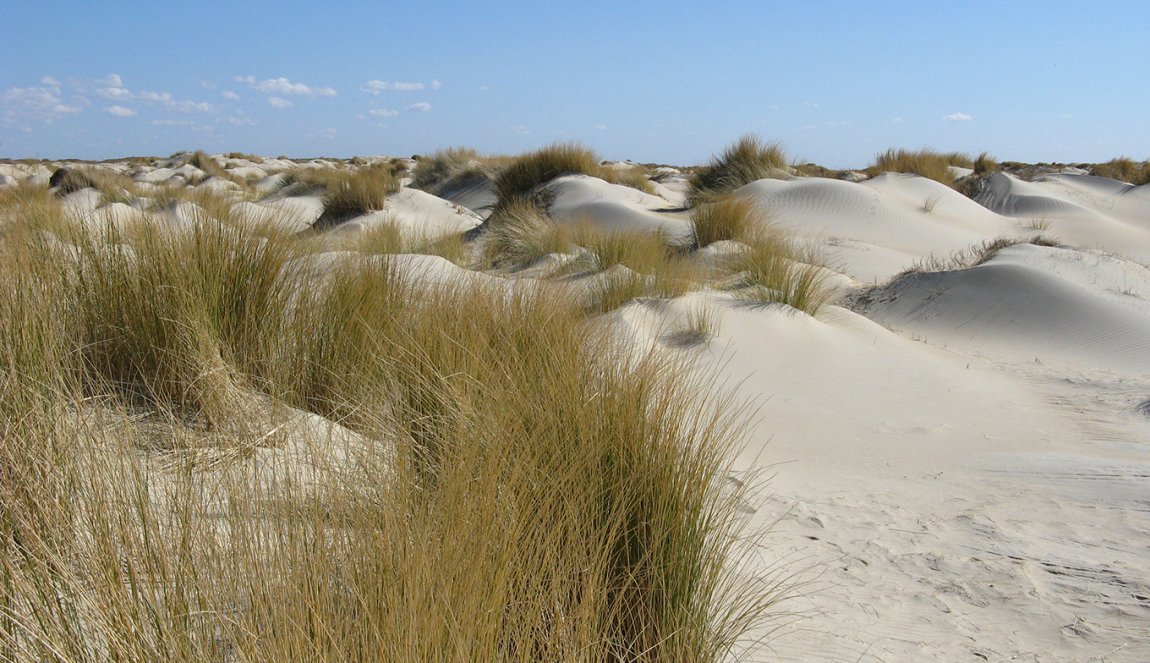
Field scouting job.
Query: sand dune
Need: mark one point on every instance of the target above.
(1029, 303)
(614, 207)
(958, 461)
(1086, 211)
(877, 228)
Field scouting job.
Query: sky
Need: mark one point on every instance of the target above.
(668, 82)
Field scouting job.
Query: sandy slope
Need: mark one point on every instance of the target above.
(965, 474)
(960, 466)
(877, 228)
(1086, 211)
(615, 207)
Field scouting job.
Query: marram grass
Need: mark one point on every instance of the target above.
(507, 485)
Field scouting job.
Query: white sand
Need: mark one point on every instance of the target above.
(972, 485)
(613, 207)
(963, 473)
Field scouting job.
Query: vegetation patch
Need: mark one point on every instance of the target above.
(748, 160)
(1124, 169)
(924, 163)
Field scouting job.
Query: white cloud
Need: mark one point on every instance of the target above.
(114, 93)
(44, 104)
(421, 106)
(190, 107)
(277, 102)
(283, 85)
(165, 99)
(383, 112)
(120, 111)
(228, 94)
(958, 117)
(377, 86)
(897, 120)
(113, 80)
(50, 81)
(600, 127)
(172, 123)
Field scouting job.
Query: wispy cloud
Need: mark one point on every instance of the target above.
(383, 112)
(120, 111)
(285, 86)
(421, 106)
(958, 117)
(118, 92)
(377, 86)
(26, 104)
(50, 81)
(229, 95)
(278, 102)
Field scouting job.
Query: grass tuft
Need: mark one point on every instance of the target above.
(924, 163)
(775, 269)
(1124, 169)
(985, 164)
(350, 193)
(518, 234)
(521, 177)
(748, 160)
(728, 218)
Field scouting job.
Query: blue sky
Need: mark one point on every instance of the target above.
(669, 81)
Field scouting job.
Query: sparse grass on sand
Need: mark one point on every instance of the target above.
(512, 486)
(348, 192)
(1124, 169)
(777, 269)
(746, 161)
(518, 234)
(523, 175)
(977, 254)
(985, 164)
(727, 218)
(925, 163)
(520, 178)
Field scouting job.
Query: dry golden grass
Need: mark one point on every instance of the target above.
(523, 175)
(777, 269)
(516, 489)
(519, 233)
(727, 218)
(924, 163)
(985, 164)
(1124, 169)
(747, 160)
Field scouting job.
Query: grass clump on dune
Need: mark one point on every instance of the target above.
(444, 165)
(519, 178)
(985, 164)
(728, 218)
(513, 488)
(775, 269)
(1124, 169)
(746, 161)
(519, 233)
(924, 163)
(350, 193)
